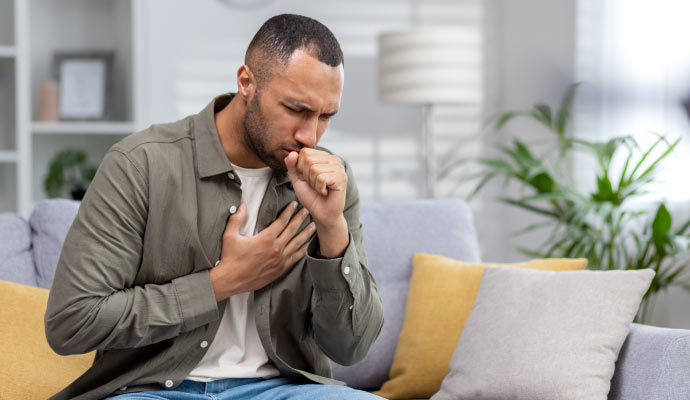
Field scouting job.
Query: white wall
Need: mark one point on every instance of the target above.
(530, 57)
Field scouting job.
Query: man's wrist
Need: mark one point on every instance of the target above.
(222, 287)
(321, 256)
(333, 238)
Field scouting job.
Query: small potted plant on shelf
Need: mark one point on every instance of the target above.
(69, 174)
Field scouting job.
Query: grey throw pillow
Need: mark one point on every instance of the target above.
(544, 335)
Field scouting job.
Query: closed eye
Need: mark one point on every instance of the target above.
(299, 110)
(294, 110)
(329, 115)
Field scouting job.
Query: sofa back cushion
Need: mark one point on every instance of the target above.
(16, 260)
(393, 232)
(653, 364)
(50, 221)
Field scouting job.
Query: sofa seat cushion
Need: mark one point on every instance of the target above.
(16, 259)
(31, 370)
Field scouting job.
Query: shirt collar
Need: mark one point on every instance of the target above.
(211, 158)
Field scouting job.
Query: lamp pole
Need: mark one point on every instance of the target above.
(429, 151)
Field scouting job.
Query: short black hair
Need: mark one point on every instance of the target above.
(280, 36)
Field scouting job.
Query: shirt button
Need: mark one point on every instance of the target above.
(168, 383)
(123, 388)
(232, 209)
(217, 262)
(346, 270)
(351, 307)
(204, 344)
(231, 175)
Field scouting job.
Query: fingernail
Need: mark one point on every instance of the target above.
(312, 227)
(294, 204)
(305, 211)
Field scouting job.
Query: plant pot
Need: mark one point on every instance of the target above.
(78, 193)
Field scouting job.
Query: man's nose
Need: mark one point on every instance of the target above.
(306, 132)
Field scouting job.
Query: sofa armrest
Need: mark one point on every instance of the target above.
(654, 364)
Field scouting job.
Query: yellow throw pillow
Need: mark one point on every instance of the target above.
(30, 369)
(441, 296)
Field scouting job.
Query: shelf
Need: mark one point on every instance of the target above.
(7, 25)
(7, 51)
(8, 156)
(83, 128)
(8, 183)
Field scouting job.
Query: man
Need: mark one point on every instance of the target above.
(222, 255)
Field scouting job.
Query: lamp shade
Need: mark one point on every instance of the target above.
(430, 66)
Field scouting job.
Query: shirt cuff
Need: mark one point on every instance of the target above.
(333, 273)
(195, 299)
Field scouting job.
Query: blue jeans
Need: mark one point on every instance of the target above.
(281, 388)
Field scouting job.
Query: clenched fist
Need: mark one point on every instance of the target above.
(320, 183)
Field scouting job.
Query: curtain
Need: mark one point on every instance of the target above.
(634, 58)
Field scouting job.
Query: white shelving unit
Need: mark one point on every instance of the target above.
(10, 75)
(8, 156)
(7, 51)
(89, 128)
(31, 33)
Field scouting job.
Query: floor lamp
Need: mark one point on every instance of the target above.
(430, 66)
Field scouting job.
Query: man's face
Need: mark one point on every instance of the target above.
(292, 109)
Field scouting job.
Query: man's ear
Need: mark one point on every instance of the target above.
(246, 82)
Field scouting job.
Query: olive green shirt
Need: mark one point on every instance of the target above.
(132, 281)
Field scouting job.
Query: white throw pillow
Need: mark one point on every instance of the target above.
(544, 335)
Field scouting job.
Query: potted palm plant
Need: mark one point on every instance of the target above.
(604, 224)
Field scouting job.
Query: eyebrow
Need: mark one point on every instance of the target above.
(301, 105)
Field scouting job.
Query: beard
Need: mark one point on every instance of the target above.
(257, 136)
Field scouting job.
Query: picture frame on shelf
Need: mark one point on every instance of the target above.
(85, 84)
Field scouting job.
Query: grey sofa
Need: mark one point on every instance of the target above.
(654, 363)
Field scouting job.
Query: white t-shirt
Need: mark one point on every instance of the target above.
(236, 351)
